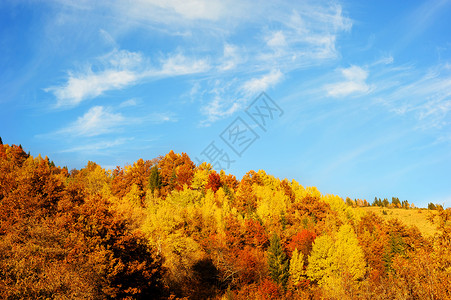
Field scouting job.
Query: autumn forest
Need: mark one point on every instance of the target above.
(167, 228)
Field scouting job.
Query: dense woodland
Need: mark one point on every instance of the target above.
(168, 229)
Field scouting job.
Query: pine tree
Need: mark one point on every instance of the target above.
(154, 179)
(375, 202)
(278, 262)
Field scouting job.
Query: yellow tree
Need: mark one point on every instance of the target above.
(337, 265)
(296, 267)
(321, 259)
(348, 256)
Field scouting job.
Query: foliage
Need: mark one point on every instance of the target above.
(154, 179)
(166, 228)
(297, 267)
(278, 264)
(60, 238)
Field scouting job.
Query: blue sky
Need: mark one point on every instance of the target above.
(364, 87)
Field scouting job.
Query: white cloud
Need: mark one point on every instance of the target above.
(219, 108)
(256, 85)
(276, 40)
(354, 83)
(282, 37)
(119, 69)
(128, 103)
(355, 73)
(179, 64)
(422, 97)
(307, 36)
(94, 147)
(231, 58)
(384, 60)
(427, 98)
(96, 121)
(90, 85)
(159, 118)
(197, 9)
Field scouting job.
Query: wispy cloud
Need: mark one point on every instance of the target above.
(89, 85)
(98, 146)
(306, 36)
(354, 82)
(285, 37)
(231, 58)
(179, 64)
(218, 108)
(426, 97)
(192, 10)
(100, 120)
(276, 40)
(128, 103)
(386, 60)
(157, 118)
(262, 83)
(120, 69)
(96, 121)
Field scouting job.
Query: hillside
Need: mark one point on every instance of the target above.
(169, 229)
(410, 217)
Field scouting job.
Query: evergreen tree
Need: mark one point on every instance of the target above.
(154, 179)
(375, 202)
(395, 246)
(1, 142)
(277, 261)
(395, 201)
(405, 204)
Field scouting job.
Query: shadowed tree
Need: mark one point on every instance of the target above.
(277, 261)
(154, 179)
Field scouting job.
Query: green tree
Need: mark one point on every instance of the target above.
(374, 202)
(277, 261)
(154, 179)
(405, 204)
(395, 246)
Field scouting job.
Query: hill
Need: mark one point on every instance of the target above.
(410, 217)
(166, 228)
